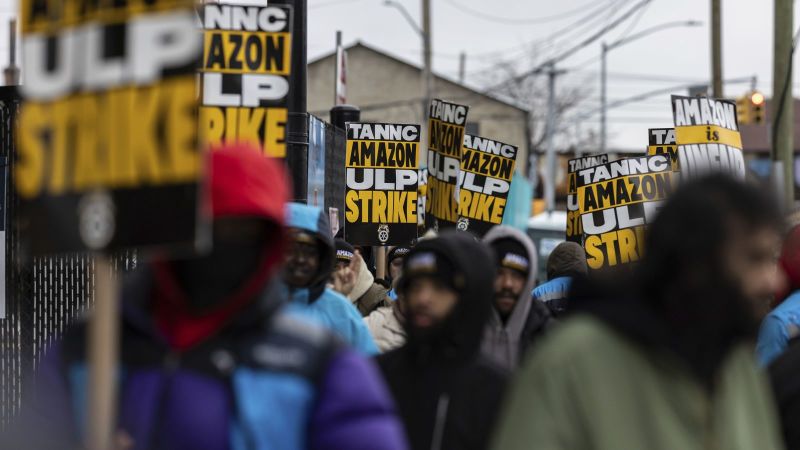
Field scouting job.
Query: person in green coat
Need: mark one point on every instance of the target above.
(661, 357)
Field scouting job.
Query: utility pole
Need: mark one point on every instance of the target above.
(603, 99)
(336, 69)
(716, 48)
(783, 103)
(427, 78)
(550, 128)
(12, 71)
(462, 66)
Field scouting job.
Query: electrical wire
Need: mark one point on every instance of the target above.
(517, 21)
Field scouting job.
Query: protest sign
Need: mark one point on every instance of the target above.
(707, 135)
(107, 143)
(574, 232)
(616, 200)
(446, 123)
(487, 167)
(661, 141)
(422, 197)
(246, 75)
(381, 163)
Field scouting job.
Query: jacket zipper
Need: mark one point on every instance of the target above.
(441, 418)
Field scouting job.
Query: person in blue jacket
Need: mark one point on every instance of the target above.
(307, 270)
(783, 323)
(566, 261)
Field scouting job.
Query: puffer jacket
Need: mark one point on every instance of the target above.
(258, 380)
(317, 302)
(505, 343)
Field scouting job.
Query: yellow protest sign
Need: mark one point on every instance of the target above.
(707, 135)
(381, 163)
(446, 125)
(487, 167)
(107, 131)
(246, 75)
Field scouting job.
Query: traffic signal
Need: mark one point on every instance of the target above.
(743, 115)
(757, 103)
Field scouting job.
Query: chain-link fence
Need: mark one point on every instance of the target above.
(43, 295)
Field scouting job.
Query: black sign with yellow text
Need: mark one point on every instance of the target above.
(661, 141)
(446, 124)
(616, 201)
(574, 230)
(487, 167)
(107, 136)
(707, 135)
(381, 163)
(246, 75)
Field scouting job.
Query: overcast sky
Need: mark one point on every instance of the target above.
(668, 58)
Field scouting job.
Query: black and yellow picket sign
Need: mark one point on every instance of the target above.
(487, 167)
(707, 135)
(381, 163)
(246, 75)
(661, 141)
(107, 149)
(446, 124)
(574, 231)
(616, 200)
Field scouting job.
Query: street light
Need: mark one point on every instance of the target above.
(608, 47)
(425, 34)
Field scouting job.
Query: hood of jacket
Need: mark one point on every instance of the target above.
(516, 321)
(502, 340)
(459, 336)
(243, 183)
(314, 221)
(363, 282)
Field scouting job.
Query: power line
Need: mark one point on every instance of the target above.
(517, 21)
(552, 61)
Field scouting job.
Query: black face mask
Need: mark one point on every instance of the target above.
(209, 280)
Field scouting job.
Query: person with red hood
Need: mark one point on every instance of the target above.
(208, 358)
(783, 323)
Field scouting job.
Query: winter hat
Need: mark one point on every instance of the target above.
(567, 259)
(511, 254)
(344, 251)
(396, 252)
(428, 263)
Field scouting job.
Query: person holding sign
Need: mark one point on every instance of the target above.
(365, 294)
(209, 361)
(662, 358)
(515, 320)
(307, 271)
(446, 394)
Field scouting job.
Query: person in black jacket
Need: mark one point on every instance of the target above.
(447, 395)
(784, 373)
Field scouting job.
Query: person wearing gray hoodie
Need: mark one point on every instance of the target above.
(515, 320)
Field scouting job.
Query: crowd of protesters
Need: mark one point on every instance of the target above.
(282, 337)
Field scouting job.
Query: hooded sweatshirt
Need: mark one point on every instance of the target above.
(505, 343)
(367, 296)
(317, 302)
(614, 376)
(447, 395)
(224, 383)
